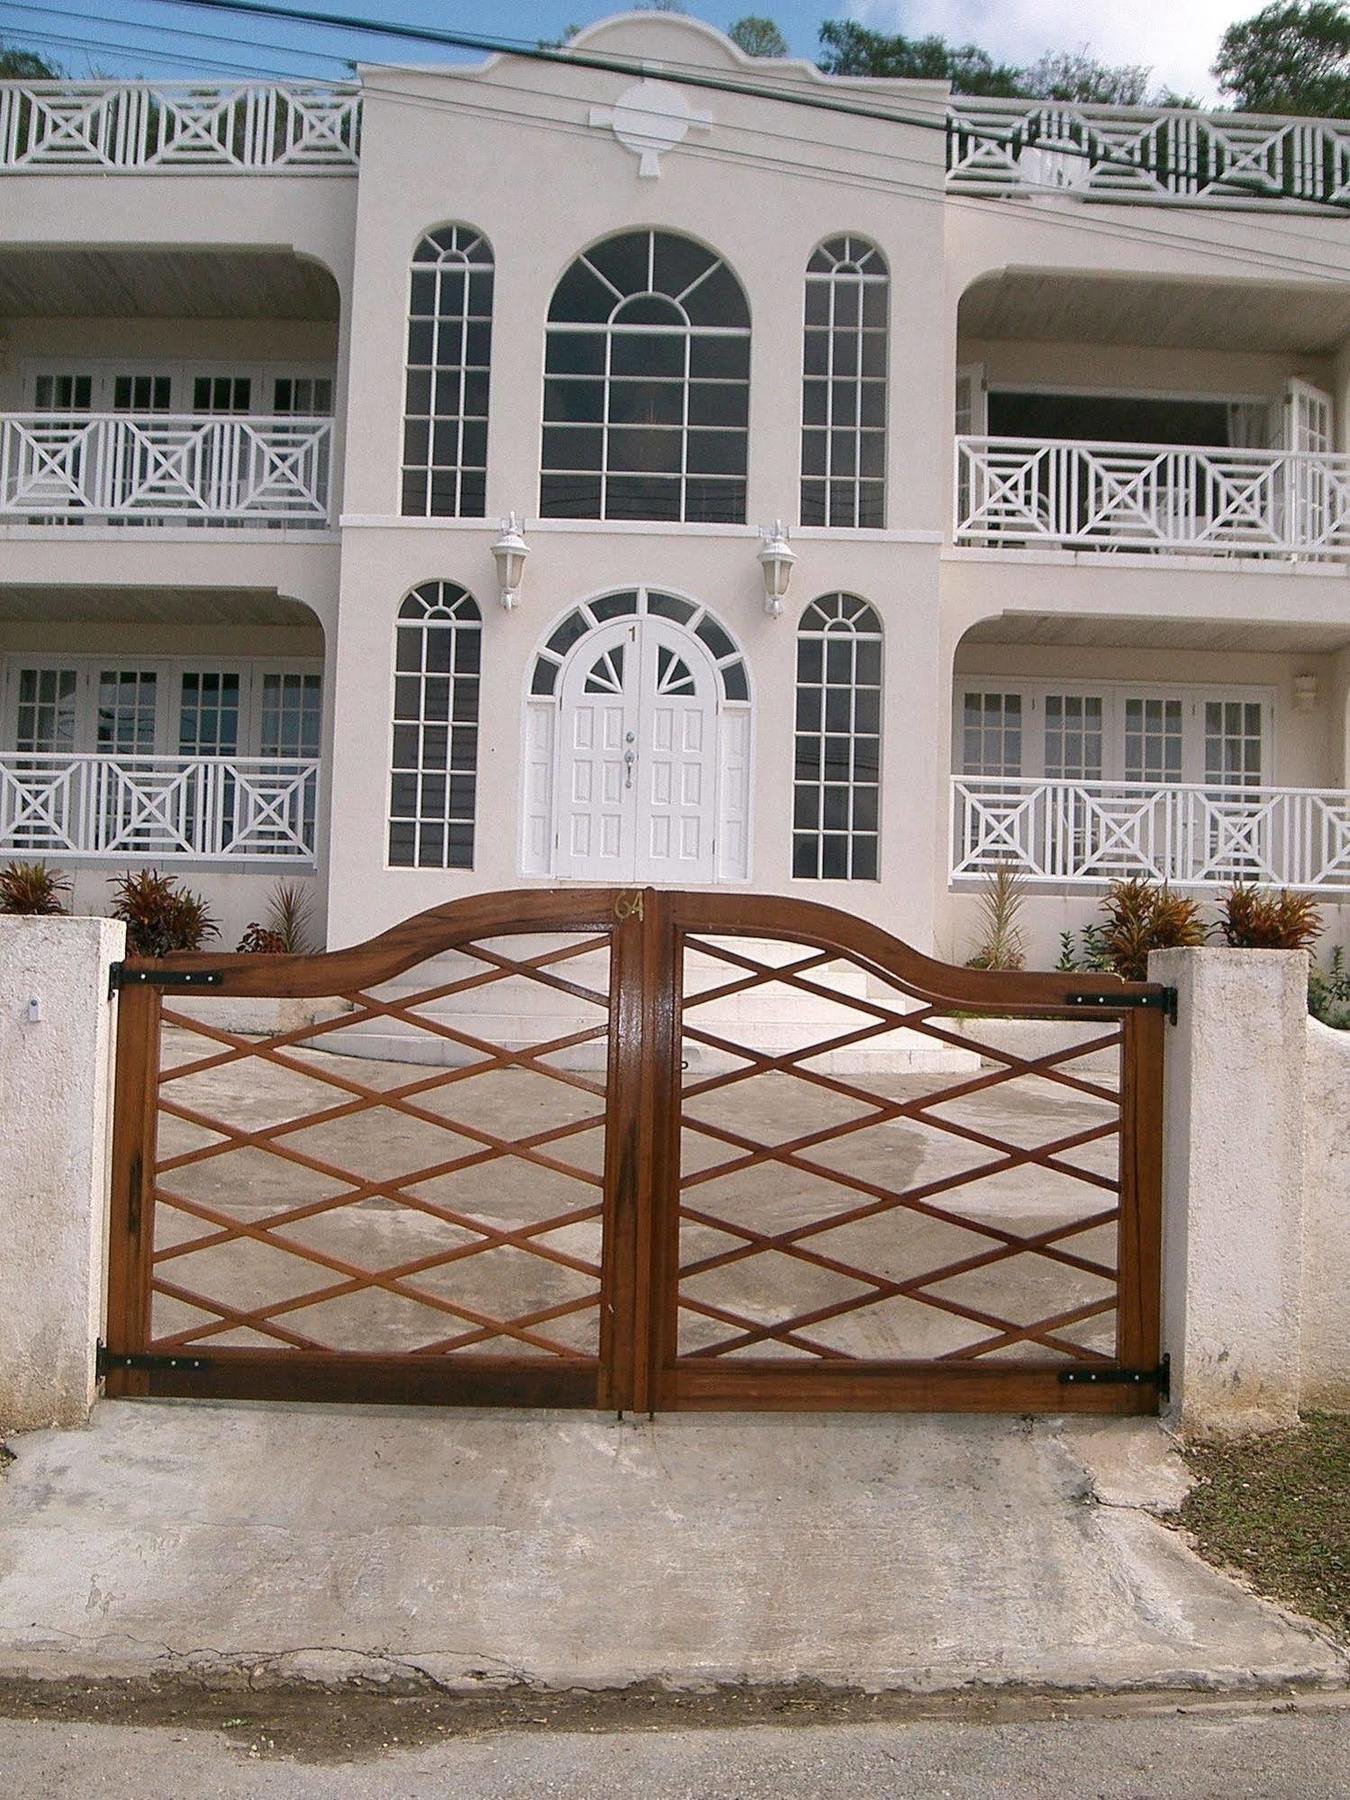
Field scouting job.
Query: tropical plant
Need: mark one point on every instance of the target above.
(1329, 991)
(32, 888)
(1251, 919)
(1142, 916)
(26, 65)
(289, 916)
(160, 914)
(1084, 951)
(259, 941)
(1001, 901)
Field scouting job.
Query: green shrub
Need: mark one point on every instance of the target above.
(32, 888)
(160, 914)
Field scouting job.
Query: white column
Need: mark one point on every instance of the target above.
(1233, 1150)
(56, 1043)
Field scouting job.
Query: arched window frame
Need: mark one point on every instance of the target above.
(647, 322)
(734, 721)
(844, 379)
(433, 783)
(836, 798)
(447, 375)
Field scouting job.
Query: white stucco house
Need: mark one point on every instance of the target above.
(656, 465)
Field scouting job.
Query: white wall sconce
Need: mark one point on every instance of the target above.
(509, 553)
(1305, 693)
(776, 561)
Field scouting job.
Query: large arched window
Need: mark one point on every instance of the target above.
(837, 784)
(844, 385)
(432, 790)
(445, 413)
(647, 385)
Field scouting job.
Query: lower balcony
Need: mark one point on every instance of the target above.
(238, 811)
(164, 469)
(1054, 494)
(1192, 835)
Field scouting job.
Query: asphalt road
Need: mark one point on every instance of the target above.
(1297, 1749)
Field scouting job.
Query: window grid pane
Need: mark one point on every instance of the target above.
(1073, 737)
(837, 777)
(646, 391)
(46, 711)
(445, 413)
(1233, 738)
(433, 784)
(208, 714)
(992, 734)
(1153, 740)
(844, 386)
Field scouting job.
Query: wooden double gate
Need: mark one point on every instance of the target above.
(640, 1151)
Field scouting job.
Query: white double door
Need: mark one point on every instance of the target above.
(637, 756)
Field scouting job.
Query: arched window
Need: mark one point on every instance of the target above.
(445, 411)
(647, 385)
(837, 786)
(844, 385)
(432, 792)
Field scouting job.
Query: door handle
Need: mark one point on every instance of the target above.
(629, 758)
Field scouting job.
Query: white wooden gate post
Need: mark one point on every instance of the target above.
(1233, 1186)
(56, 1045)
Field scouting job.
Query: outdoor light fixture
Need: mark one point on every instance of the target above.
(776, 560)
(509, 553)
(1305, 693)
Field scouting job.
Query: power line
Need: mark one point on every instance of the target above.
(1150, 235)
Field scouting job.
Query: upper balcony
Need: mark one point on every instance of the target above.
(1156, 156)
(179, 127)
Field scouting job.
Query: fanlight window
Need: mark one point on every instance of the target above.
(433, 786)
(837, 786)
(673, 675)
(445, 414)
(647, 383)
(844, 385)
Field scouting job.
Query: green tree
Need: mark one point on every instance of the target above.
(1291, 57)
(851, 49)
(26, 65)
(758, 36)
(1074, 75)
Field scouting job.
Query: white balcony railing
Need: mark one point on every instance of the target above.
(1069, 495)
(1157, 155)
(160, 468)
(160, 808)
(1187, 834)
(254, 127)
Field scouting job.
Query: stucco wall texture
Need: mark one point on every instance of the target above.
(1325, 1375)
(55, 1115)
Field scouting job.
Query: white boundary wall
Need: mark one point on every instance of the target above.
(1256, 1194)
(56, 1045)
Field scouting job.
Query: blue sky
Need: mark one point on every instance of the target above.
(1177, 37)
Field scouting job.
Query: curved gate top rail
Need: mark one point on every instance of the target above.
(667, 1150)
(1032, 993)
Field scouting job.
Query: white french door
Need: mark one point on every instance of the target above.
(636, 774)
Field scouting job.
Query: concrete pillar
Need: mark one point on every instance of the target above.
(1233, 1186)
(56, 1042)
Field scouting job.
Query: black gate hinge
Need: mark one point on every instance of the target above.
(120, 976)
(146, 1359)
(1091, 1375)
(1164, 1000)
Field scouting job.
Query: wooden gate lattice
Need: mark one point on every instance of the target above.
(641, 1151)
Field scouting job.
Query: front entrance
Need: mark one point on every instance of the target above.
(637, 773)
(637, 1150)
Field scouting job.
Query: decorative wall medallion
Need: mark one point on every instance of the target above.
(650, 118)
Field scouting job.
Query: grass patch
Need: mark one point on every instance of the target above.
(1278, 1509)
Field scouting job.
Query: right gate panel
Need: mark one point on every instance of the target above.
(902, 1184)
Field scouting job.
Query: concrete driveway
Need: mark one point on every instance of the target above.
(269, 1543)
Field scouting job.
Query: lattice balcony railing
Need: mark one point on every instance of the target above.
(163, 469)
(1190, 834)
(1157, 155)
(1057, 494)
(162, 807)
(254, 128)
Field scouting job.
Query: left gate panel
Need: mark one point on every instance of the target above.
(375, 1175)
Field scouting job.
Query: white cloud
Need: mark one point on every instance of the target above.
(1177, 38)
